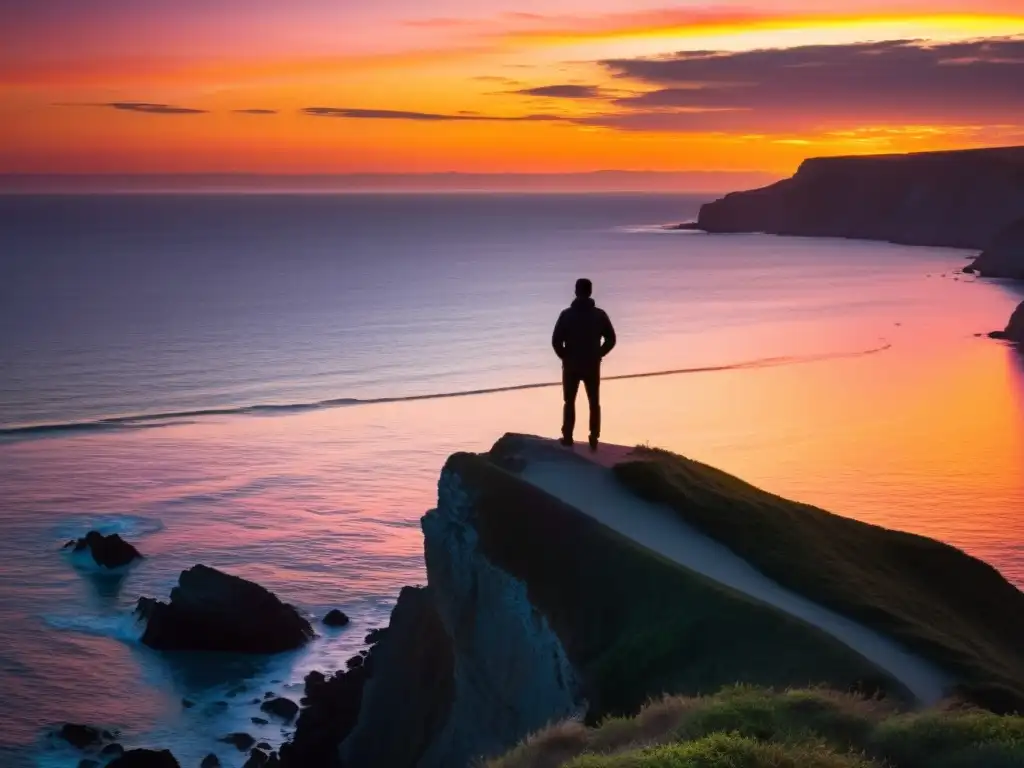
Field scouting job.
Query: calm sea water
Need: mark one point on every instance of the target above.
(142, 337)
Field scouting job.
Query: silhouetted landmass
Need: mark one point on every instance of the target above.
(1005, 256)
(957, 199)
(1014, 330)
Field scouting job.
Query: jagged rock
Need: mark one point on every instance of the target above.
(330, 709)
(281, 707)
(112, 749)
(145, 758)
(355, 661)
(335, 618)
(264, 746)
(958, 199)
(109, 551)
(1015, 329)
(240, 741)
(376, 635)
(213, 611)
(257, 759)
(210, 761)
(83, 736)
(1004, 257)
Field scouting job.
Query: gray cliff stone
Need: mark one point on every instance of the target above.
(493, 669)
(959, 199)
(1005, 256)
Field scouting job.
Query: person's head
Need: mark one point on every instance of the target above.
(584, 288)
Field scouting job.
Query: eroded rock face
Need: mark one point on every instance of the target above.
(109, 551)
(1015, 329)
(960, 199)
(213, 611)
(1005, 256)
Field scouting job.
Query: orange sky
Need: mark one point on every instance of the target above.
(317, 86)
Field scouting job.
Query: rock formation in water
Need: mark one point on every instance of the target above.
(1005, 256)
(213, 611)
(335, 618)
(1015, 328)
(958, 199)
(109, 551)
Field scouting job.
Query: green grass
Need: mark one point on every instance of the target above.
(634, 625)
(747, 727)
(950, 607)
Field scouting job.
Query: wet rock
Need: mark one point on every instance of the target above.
(112, 749)
(210, 761)
(213, 611)
(240, 741)
(264, 746)
(335, 618)
(269, 695)
(259, 721)
(376, 635)
(109, 551)
(187, 703)
(257, 759)
(355, 661)
(83, 736)
(281, 707)
(145, 758)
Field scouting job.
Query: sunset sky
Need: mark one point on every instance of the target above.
(498, 86)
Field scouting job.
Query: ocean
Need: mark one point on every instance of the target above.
(269, 384)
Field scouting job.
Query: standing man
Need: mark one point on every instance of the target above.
(583, 336)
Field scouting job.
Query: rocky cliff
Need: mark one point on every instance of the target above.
(958, 199)
(1014, 330)
(1004, 257)
(535, 612)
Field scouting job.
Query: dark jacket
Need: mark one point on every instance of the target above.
(583, 334)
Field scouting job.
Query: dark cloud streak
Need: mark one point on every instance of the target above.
(350, 113)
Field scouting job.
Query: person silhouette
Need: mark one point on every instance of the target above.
(583, 336)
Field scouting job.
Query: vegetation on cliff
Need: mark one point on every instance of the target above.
(951, 608)
(633, 624)
(747, 727)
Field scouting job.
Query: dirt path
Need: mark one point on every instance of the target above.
(586, 482)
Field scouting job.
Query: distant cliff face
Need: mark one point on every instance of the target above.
(957, 199)
(1005, 256)
(1014, 329)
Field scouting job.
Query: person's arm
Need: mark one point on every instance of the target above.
(558, 337)
(608, 334)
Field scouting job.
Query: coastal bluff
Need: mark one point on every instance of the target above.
(569, 586)
(956, 199)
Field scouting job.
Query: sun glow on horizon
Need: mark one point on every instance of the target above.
(505, 92)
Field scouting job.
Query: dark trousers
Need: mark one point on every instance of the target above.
(590, 377)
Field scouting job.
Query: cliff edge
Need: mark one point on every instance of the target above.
(564, 588)
(956, 199)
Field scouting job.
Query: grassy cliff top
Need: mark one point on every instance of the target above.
(636, 625)
(746, 727)
(950, 607)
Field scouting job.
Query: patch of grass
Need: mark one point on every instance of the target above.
(952, 608)
(746, 727)
(635, 625)
(723, 750)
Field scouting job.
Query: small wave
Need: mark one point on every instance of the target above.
(129, 526)
(174, 417)
(120, 627)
